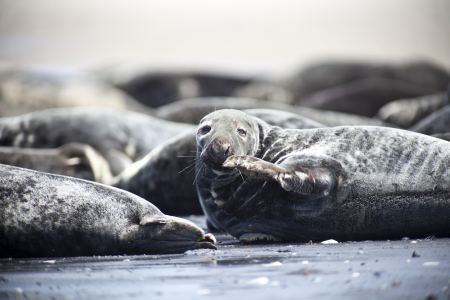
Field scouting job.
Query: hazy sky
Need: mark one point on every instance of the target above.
(250, 35)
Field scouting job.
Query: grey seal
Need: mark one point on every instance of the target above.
(407, 112)
(166, 176)
(158, 87)
(325, 75)
(193, 110)
(437, 122)
(329, 82)
(73, 159)
(364, 97)
(25, 91)
(346, 183)
(121, 137)
(43, 214)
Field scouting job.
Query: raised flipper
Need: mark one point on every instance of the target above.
(299, 174)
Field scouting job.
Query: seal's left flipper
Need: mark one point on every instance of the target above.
(298, 174)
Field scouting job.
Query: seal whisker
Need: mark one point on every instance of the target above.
(201, 168)
(241, 176)
(187, 167)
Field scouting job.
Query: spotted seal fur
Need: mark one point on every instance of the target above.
(347, 183)
(43, 214)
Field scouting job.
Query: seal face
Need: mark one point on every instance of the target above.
(266, 183)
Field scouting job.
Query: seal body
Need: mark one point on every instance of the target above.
(73, 159)
(347, 183)
(43, 214)
(437, 122)
(121, 137)
(193, 110)
(166, 175)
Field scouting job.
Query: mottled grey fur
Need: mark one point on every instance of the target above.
(43, 214)
(344, 183)
(283, 119)
(122, 137)
(166, 176)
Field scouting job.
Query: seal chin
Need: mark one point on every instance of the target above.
(216, 167)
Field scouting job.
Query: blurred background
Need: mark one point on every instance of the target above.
(253, 37)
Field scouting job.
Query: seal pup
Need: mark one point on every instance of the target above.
(121, 137)
(261, 182)
(73, 159)
(43, 214)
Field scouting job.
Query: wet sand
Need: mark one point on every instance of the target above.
(349, 270)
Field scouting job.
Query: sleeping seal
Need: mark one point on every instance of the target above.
(73, 159)
(43, 214)
(121, 137)
(347, 183)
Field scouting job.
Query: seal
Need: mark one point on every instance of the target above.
(165, 176)
(43, 214)
(193, 110)
(27, 91)
(408, 112)
(73, 159)
(261, 182)
(436, 123)
(121, 137)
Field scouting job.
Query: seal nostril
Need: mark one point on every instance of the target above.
(228, 150)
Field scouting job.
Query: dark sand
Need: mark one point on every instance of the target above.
(350, 270)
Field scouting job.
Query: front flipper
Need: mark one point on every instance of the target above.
(298, 174)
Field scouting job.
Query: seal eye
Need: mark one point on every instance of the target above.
(241, 132)
(205, 129)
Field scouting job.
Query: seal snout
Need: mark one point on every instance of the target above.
(219, 150)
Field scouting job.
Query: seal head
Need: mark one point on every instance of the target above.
(220, 136)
